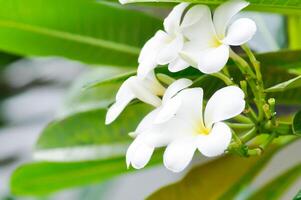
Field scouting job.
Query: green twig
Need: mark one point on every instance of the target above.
(249, 135)
(224, 78)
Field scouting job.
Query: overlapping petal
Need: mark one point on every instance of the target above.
(224, 104)
(175, 87)
(179, 153)
(147, 90)
(117, 108)
(212, 60)
(240, 32)
(148, 55)
(172, 21)
(178, 65)
(216, 142)
(138, 154)
(202, 32)
(224, 13)
(169, 51)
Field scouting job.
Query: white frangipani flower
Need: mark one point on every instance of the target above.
(145, 89)
(187, 130)
(210, 40)
(165, 46)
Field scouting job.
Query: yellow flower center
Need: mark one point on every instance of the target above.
(216, 42)
(201, 129)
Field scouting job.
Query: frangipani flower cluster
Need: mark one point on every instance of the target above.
(198, 40)
(178, 121)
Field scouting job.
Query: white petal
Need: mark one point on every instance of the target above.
(145, 67)
(177, 65)
(153, 44)
(240, 32)
(148, 54)
(189, 114)
(213, 60)
(147, 122)
(193, 15)
(216, 142)
(224, 13)
(168, 110)
(123, 97)
(224, 104)
(179, 154)
(202, 32)
(142, 91)
(152, 84)
(124, 92)
(169, 52)
(115, 110)
(172, 21)
(138, 154)
(175, 87)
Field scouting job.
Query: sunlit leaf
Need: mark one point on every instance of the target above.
(283, 6)
(84, 136)
(224, 178)
(97, 33)
(45, 177)
(80, 99)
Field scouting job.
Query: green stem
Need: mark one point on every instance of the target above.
(254, 152)
(242, 119)
(240, 126)
(223, 77)
(251, 79)
(242, 64)
(236, 139)
(268, 141)
(249, 135)
(260, 86)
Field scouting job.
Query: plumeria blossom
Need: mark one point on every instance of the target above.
(188, 129)
(210, 39)
(146, 89)
(164, 47)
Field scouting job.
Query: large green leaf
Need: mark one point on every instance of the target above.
(45, 177)
(277, 187)
(224, 178)
(79, 99)
(97, 33)
(84, 136)
(281, 6)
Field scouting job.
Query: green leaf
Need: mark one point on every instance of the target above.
(115, 79)
(297, 123)
(84, 136)
(45, 177)
(6, 59)
(277, 187)
(277, 67)
(283, 6)
(290, 84)
(298, 196)
(96, 33)
(224, 178)
(80, 99)
(294, 28)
